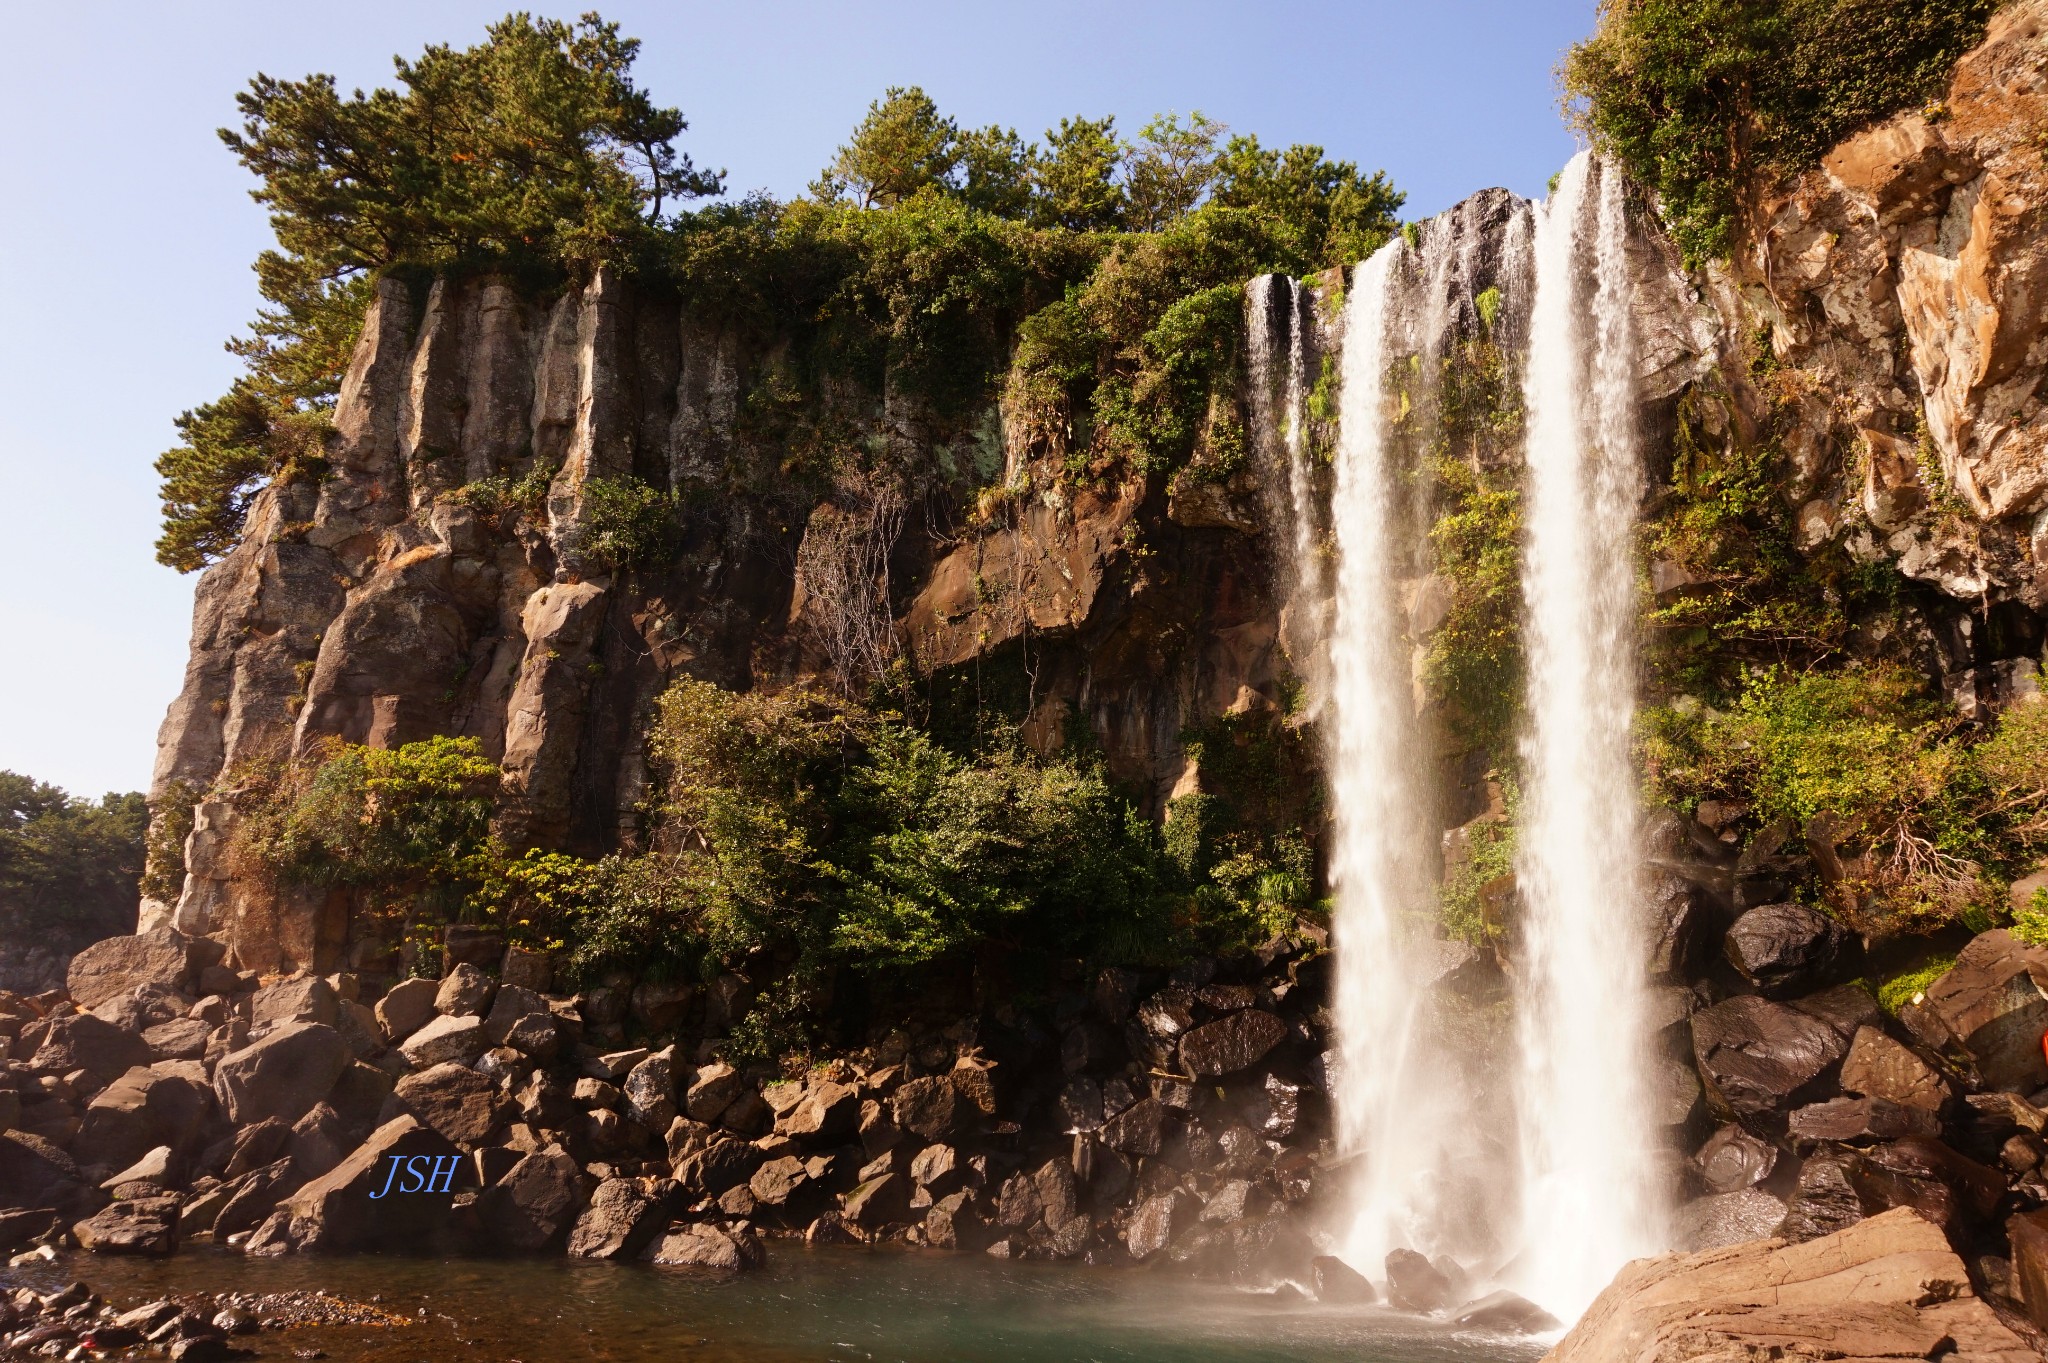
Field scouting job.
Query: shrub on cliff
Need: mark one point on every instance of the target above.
(1706, 100)
(1915, 824)
(68, 867)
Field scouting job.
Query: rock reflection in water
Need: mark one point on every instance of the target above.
(837, 1306)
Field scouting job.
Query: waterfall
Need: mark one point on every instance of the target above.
(1587, 1176)
(1279, 398)
(1393, 1107)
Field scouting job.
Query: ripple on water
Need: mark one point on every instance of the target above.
(840, 1306)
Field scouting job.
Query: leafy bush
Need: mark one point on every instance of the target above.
(1706, 100)
(624, 524)
(69, 868)
(403, 824)
(1925, 827)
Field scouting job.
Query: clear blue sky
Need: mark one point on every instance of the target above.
(126, 231)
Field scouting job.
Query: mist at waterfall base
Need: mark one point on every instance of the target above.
(837, 1305)
(1534, 1166)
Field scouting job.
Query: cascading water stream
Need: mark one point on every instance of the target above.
(1587, 1177)
(1393, 1107)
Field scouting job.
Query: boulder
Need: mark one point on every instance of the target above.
(1156, 1221)
(951, 1222)
(1993, 1006)
(81, 1041)
(650, 1090)
(534, 1203)
(722, 1164)
(1680, 921)
(282, 1075)
(454, 1100)
(349, 1208)
(1416, 1284)
(1727, 1218)
(406, 1008)
(1886, 1288)
(877, 1202)
(530, 970)
(1781, 948)
(707, 1247)
(1825, 1200)
(1234, 1043)
(143, 1225)
(1879, 1067)
(115, 966)
(1847, 1008)
(1139, 1129)
(154, 1167)
(471, 944)
(937, 1168)
(1080, 1104)
(465, 992)
(318, 1142)
(1017, 1204)
(927, 1108)
(178, 1039)
(778, 1180)
(624, 1216)
(1760, 1059)
(827, 1112)
(2027, 1233)
(1339, 1284)
(1732, 1159)
(660, 1005)
(302, 998)
(712, 1091)
(1853, 1120)
(457, 1040)
(35, 1173)
(242, 1203)
(169, 1103)
(1506, 1312)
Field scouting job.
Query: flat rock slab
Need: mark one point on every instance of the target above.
(1889, 1287)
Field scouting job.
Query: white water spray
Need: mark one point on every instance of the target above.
(1392, 1102)
(1588, 1181)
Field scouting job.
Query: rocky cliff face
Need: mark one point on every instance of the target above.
(379, 604)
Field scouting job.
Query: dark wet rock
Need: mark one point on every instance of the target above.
(1759, 1059)
(337, 1212)
(1991, 1003)
(1156, 1221)
(708, 1247)
(1068, 1239)
(878, 1201)
(951, 1223)
(1233, 1201)
(528, 1209)
(1931, 1177)
(1278, 1110)
(1416, 1284)
(928, 1108)
(1227, 998)
(2027, 1232)
(938, 1168)
(1115, 995)
(1846, 1008)
(1234, 1043)
(1781, 948)
(446, 1041)
(115, 966)
(452, 1099)
(1732, 1159)
(84, 1042)
(1825, 1200)
(624, 1216)
(282, 1075)
(18, 1228)
(1168, 1013)
(1017, 1203)
(1089, 1047)
(1139, 1129)
(245, 1202)
(1059, 1197)
(1681, 921)
(1727, 1218)
(1879, 1067)
(1080, 1104)
(141, 1226)
(660, 1005)
(1339, 1283)
(1853, 1120)
(1507, 1312)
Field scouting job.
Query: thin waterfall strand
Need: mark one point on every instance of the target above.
(1588, 1179)
(1390, 1088)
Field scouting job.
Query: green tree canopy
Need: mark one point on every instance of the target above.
(69, 868)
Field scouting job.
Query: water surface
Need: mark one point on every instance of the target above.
(843, 1306)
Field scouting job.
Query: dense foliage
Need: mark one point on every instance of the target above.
(1915, 823)
(1706, 100)
(69, 868)
(927, 257)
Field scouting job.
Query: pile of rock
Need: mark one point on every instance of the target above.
(165, 1098)
(76, 1318)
